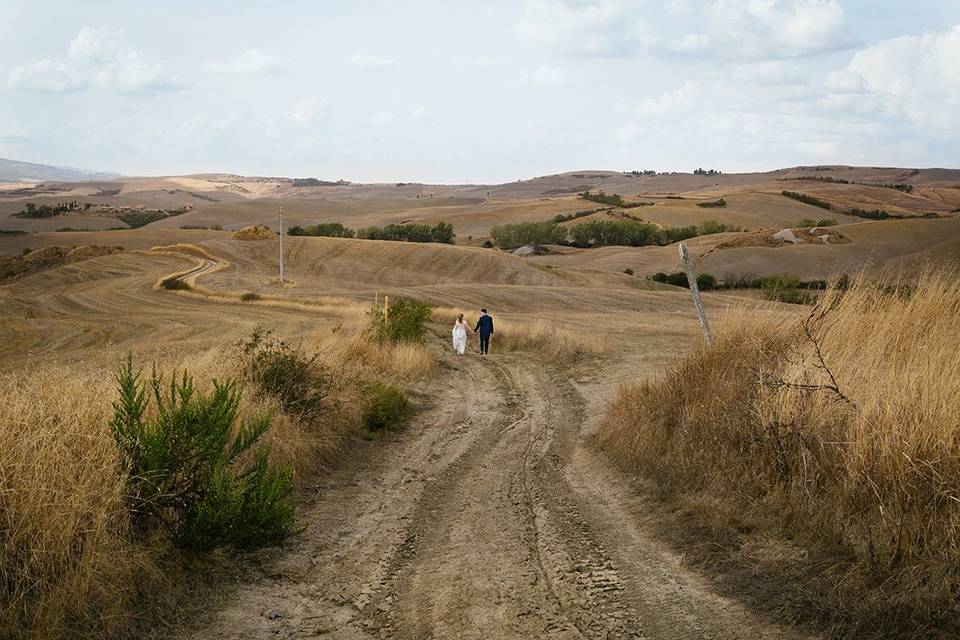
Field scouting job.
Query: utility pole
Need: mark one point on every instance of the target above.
(280, 216)
(695, 290)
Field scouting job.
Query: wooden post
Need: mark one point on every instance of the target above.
(695, 290)
(386, 307)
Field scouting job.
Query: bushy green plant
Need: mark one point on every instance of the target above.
(249, 296)
(628, 271)
(293, 379)
(706, 281)
(404, 321)
(192, 470)
(387, 407)
(175, 284)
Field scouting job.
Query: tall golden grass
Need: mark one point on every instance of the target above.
(846, 439)
(68, 564)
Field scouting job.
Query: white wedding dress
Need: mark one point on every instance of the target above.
(460, 336)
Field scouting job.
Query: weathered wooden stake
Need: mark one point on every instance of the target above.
(695, 290)
(386, 307)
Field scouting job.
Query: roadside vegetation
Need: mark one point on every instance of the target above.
(779, 288)
(630, 232)
(823, 449)
(122, 488)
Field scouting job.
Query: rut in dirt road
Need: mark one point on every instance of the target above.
(485, 519)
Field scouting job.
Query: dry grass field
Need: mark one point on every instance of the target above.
(492, 510)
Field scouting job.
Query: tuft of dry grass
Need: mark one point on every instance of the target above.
(66, 564)
(555, 343)
(838, 432)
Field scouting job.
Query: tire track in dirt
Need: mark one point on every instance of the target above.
(487, 518)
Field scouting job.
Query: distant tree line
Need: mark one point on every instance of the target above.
(31, 210)
(614, 200)
(706, 172)
(807, 199)
(441, 232)
(313, 182)
(600, 233)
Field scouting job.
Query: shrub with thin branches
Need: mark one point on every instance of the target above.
(837, 431)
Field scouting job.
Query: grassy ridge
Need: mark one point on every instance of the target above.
(832, 437)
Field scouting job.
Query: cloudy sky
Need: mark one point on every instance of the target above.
(451, 91)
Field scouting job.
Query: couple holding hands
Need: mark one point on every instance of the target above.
(484, 328)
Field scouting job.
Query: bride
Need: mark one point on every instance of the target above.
(460, 334)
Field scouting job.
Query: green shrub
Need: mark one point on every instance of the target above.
(12, 232)
(191, 470)
(404, 321)
(706, 281)
(628, 271)
(713, 204)
(297, 382)
(249, 296)
(387, 407)
(175, 284)
(785, 288)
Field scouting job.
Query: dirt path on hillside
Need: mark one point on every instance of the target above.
(487, 518)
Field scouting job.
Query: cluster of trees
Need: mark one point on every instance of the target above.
(440, 232)
(645, 172)
(818, 179)
(807, 199)
(511, 236)
(876, 214)
(901, 186)
(566, 217)
(326, 229)
(599, 233)
(706, 172)
(782, 287)
(31, 210)
(614, 200)
(719, 204)
(313, 182)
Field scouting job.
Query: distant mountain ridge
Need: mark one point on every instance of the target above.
(16, 171)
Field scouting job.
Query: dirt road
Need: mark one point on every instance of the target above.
(487, 518)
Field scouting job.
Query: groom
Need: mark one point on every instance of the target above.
(484, 328)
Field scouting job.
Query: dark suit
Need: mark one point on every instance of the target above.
(485, 329)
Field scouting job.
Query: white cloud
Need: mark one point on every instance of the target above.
(383, 118)
(583, 27)
(96, 57)
(732, 29)
(778, 28)
(251, 61)
(365, 61)
(46, 76)
(306, 112)
(916, 77)
(545, 76)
